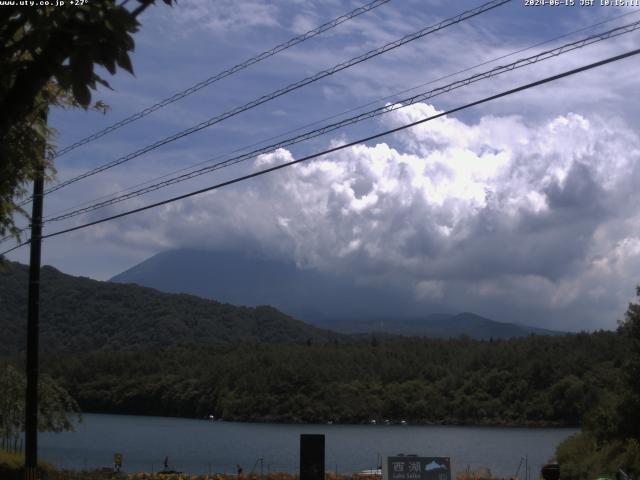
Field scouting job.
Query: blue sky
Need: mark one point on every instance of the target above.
(522, 210)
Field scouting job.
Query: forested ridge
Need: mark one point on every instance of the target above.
(528, 381)
(79, 314)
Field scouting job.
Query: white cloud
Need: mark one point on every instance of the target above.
(504, 212)
(527, 216)
(223, 16)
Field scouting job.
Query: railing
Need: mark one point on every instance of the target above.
(11, 444)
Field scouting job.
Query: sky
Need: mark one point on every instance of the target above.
(524, 209)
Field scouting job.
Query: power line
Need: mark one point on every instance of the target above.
(360, 107)
(388, 97)
(342, 147)
(225, 73)
(294, 86)
(615, 32)
(15, 248)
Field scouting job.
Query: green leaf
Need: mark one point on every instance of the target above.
(101, 81)
(82, 94)
(125, 62)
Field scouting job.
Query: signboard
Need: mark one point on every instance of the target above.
(410, 467)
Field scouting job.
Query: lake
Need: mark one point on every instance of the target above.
(201, 446)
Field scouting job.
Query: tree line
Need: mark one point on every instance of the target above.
(536, 380)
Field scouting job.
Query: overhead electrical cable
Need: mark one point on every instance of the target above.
(117, 195)
(225, 73)
(294, 86)
(552, 53)
(393, 96)
(342, 147)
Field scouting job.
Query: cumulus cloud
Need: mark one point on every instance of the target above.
(502, 216)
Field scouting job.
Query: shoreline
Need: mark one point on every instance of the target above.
(378, 423)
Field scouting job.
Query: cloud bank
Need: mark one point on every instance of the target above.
(522, 221)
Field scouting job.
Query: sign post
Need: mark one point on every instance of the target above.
(33, 325)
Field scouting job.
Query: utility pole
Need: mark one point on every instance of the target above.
(33, 323)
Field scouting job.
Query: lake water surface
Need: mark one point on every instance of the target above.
(200, 446)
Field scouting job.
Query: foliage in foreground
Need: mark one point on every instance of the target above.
(12, 467)
(47, 59)
(54, 408)
(582, 457)
(610, 439)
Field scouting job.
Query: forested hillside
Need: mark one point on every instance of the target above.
(438, 326)
(131, 349)
(535, 380)
(79, 314)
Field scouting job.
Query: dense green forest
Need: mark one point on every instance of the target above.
(79, 314)
(528, 381)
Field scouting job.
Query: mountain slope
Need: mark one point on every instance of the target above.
(243, 279)
(80, 314)
(440, 326)
(324, 299)
(479, 327)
